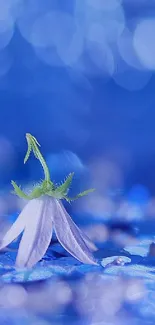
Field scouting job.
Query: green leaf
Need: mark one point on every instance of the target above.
(19, 192)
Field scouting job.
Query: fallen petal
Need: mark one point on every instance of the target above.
(70, 236)
(37, 234)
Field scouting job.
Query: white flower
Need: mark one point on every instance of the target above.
(37, 221)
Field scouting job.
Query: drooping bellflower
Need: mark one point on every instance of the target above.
(43, 214)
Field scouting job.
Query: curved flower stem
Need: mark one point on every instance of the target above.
(43, 163)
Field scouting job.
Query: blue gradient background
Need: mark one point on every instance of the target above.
(80, 76)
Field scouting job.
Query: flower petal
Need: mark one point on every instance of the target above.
(37, 234)
(88, 241)
(17, 227)
(70, 236)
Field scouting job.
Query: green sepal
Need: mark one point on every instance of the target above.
(19, 192)
(36, 193)
(81, 194)
(62, 190)
(48, 186)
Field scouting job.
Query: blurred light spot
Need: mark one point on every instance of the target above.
(96, 33)
(64, 293)
(13, 296)
(104, 4)
(97, 206)
(122, 211)
(6, 24)
(150, 208)
(66, 41)
(105, 31)
(109, 25)
(64, 163)
(134, 211)
(101, 29)
(99, 24)
(41, 35)
(8, 4)
(101, 56)
(69, 52)
(135, 291)
(25, 21)
(97, 233)
(130, 78)
(62, 24)
(121, 239)
(47, 301)
(13, 7)
(29, 11)
(98, 298)
(136, 203)
(144, 42)
(106, 175)
(127, 51)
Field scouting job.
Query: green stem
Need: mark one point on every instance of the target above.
(43, 163)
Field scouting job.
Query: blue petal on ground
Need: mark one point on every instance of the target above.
(140, 248)
(117, 268)
(44, 269)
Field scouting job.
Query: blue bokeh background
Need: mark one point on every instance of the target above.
(76, 76)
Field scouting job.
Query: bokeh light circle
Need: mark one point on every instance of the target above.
(104, 4)
(127, 50)
(144, 42)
